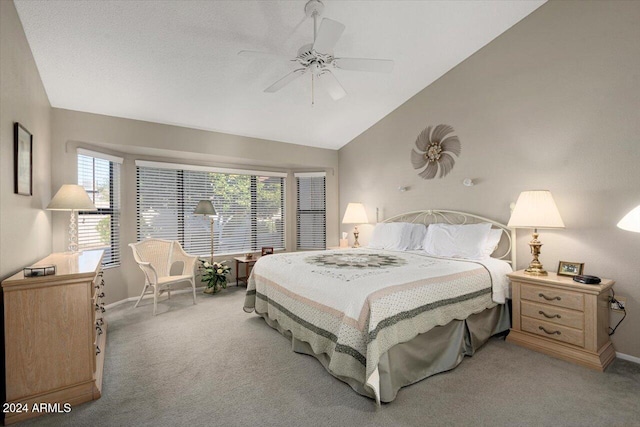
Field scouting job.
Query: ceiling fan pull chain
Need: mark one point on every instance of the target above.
(313, 98)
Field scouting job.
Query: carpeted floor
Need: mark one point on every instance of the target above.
(215, 365)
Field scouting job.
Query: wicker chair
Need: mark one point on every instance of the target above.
(155, 257)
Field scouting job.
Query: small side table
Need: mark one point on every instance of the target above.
(248, 263)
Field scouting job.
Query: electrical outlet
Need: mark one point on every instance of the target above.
(620, 305)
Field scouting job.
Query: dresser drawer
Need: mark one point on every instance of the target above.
(551, 296)
(552, 331)
(557, 315)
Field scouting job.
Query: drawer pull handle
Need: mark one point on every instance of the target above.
(547, 298)
(101, 295)
(550, 333)
(98, 350)
(549, 317)
(99, 329)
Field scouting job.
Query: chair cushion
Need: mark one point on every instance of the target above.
(173, 279)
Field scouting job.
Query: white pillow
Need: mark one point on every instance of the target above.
(417, 236)
(393, 236)
(493, 239)
(457, 241)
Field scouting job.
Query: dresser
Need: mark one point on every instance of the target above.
(55, 336)
(562, 318)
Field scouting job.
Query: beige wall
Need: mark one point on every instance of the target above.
(25, 227)
(553, 103)
(150, 141)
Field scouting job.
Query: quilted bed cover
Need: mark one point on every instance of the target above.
(355, 304)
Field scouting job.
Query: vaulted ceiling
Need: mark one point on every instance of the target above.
(176, 62)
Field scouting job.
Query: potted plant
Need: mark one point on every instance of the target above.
(215, 276)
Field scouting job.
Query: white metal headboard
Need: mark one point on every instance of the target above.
(506, 248)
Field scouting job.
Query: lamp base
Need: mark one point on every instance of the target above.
(73, 233)
(535, 271)
(535, 266)
(356, 233)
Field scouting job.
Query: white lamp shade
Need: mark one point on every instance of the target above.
(631, 221)
(535, 209)
(205, 207)
(71, 197)
(355, 214)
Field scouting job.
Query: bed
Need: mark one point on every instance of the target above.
(382, 319)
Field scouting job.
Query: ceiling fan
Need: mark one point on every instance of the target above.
(317, 58)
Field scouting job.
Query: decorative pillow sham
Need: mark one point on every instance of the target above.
(393, 236)
(493, 239)
(457, 241)
(417, 236)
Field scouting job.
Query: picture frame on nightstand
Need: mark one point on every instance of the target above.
(567, 268)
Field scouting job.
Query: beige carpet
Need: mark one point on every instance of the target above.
(214, 365)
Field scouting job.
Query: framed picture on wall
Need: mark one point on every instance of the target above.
(22, 160)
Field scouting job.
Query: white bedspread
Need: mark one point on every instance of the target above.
(498, 270)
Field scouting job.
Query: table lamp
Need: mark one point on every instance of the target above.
(355, 214)
(205, 208)
(71, 197)
(535, 209)
(631, 221)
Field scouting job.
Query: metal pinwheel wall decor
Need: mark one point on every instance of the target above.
(433, 150)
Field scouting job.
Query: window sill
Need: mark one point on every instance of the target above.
(236, 254)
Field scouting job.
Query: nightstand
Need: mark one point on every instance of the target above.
(562, 318)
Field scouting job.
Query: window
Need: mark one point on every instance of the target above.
(311, 216)
(249, 205)
(99, 174)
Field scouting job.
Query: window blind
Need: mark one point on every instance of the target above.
(100, 229)
(311, 217)
(250, 209)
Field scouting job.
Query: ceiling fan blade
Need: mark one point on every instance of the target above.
(263, 55)
(332, 85)
(328, 35)
(364, 64)
(286, 80)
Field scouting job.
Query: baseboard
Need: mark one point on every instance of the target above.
(131, 299)
(628, 358)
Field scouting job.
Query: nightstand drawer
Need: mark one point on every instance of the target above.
(557, 315)
(554, 332)
(551, 296)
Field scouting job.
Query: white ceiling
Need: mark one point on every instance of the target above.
(176, 62)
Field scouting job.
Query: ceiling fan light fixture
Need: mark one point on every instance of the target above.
(318, 58)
